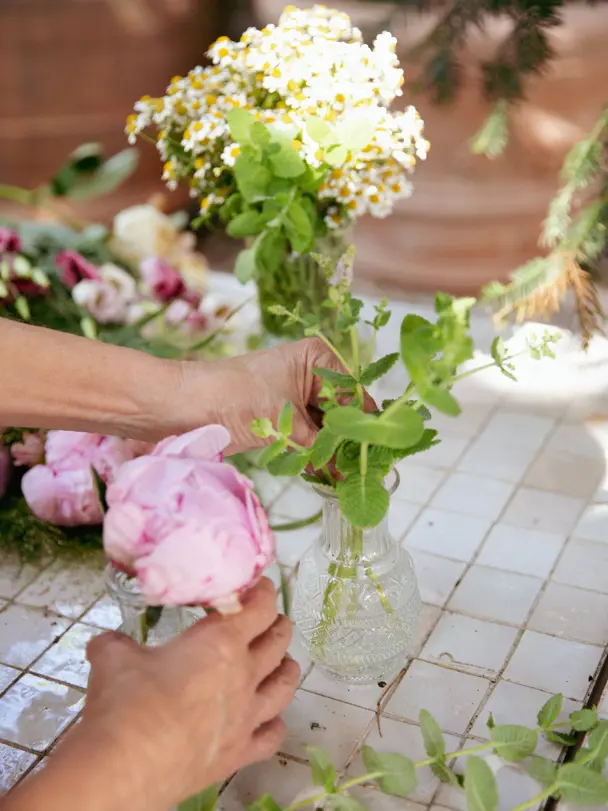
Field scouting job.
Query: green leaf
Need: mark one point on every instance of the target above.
(364, 499)
(203, 801)
(379, 368)
(442, 400)
(318, 129)
(354, 132)
(344, 802)
(247, 224)
(240, 122)
(497, 350)
(298, 228)
(480, 786)
(396, 428)
(513, 742)
(561, 738)
(270, 251)
(271, 451)
(262, 427)
(287, 162)
(259, 134)
(252, 178)
(324, 447)
(291, 463)
(550, 711)
(265, 803)
(244, 267)
(598, 740)
(542, 770)
(581, 786)
(441, 770)
(336, 156)
(432, 735)
(427, 440)
(491, 139)
(106, 178)
(340, 379)
(583, 720)
(285, 424)
(490, 723)
(322, 768)
(399, 772)
(419, 345)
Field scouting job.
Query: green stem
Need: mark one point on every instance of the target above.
(26, 197)
(469, 372)
(303, 522)
(536, 800)
(356, 781)
(381, 593)
(337, 353)
(363, 460)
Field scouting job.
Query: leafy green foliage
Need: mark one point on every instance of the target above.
(580, 786)
(513, 742)
(480, 786)
(550, 711)
(204, 801)
(322, 768)
(363, 498)
(398, 773)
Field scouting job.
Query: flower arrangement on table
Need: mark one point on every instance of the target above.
(286, 139)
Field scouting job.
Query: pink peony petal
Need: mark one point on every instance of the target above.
(204, 443)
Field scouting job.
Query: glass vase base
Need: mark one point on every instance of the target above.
(380, 673)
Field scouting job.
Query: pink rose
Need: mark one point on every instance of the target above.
(189, 527)
(164, 282)
(64, 491)
(30, 452)
(74, 268)
(10, 241)
(5, 468)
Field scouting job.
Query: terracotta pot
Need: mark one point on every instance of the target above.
(70, 72)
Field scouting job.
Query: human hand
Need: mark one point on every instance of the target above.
(192, 712)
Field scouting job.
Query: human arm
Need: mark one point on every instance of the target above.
(160, 724)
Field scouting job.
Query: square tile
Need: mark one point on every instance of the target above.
(105, 614)
(436, 576)
(287, 781)
(296, 502)
(469, 644)
(361, 695)
(573, 613)
(313, 720)
(375, 800)
(13, 765)
(66, 660)
(447, 453)
(449, 534)
(418, 482)
(554, 665)
(15, 575)
(549, 512)
(516, 704)
(576, 439)
(473, 495)
(291, 545)
(25, 633)
(593, 524)
(401, 516)
(404, 739)
(566, 473)
(526, 551)
(67, 588)
(34, 711)
(495, 595)
(583, 564)
(468, 424)
(8, 676)
(497, 460)
(452, 697)
(515, 428)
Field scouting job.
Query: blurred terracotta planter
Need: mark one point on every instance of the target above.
(71, 70)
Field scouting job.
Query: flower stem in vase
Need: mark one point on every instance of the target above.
(148, 620)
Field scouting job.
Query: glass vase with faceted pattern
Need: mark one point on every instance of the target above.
(356, 602)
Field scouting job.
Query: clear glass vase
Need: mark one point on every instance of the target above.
(356, 602)
(148, 625)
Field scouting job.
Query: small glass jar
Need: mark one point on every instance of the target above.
(148, 625)
(356, 602)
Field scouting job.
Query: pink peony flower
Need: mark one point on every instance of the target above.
(30, 452)
(190, 528)
(10, 242)
(64, 491)
(5, 468)
(109, 298)
(74, 268)
(163, 281)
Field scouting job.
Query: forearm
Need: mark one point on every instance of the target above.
(52, 380)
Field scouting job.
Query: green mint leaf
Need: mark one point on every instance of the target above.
(432, 735)
(354, 132)
(561, 738)
(513, 742)
(231, 207)
(270, 452)
(542, 770)
(419, 345)
(298, 228)
(348, 457)
(480, 786)
(598, 741)
(399, 772)
(252, 178)
(286, 162)
(247, 224)
(441, 770)
(490, 723)
(550, 711)
(379, 368)
(442, 400)
(398, 428)
(340, 379)
(344, 802)
(336, 155)
(364, 499)
(583, 720)
(262, 428)
(497, 350)
(580, 786)
(318, 129)
(244, 268)
(271, 251)
(322, 768)
(259, 134)
(285, 424)
(205, 800)
(240, 122)
(324, 447)
(291, 463)
(265, 803)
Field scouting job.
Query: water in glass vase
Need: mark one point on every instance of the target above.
(356, 601)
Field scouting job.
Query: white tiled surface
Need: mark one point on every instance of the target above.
(507, 523)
